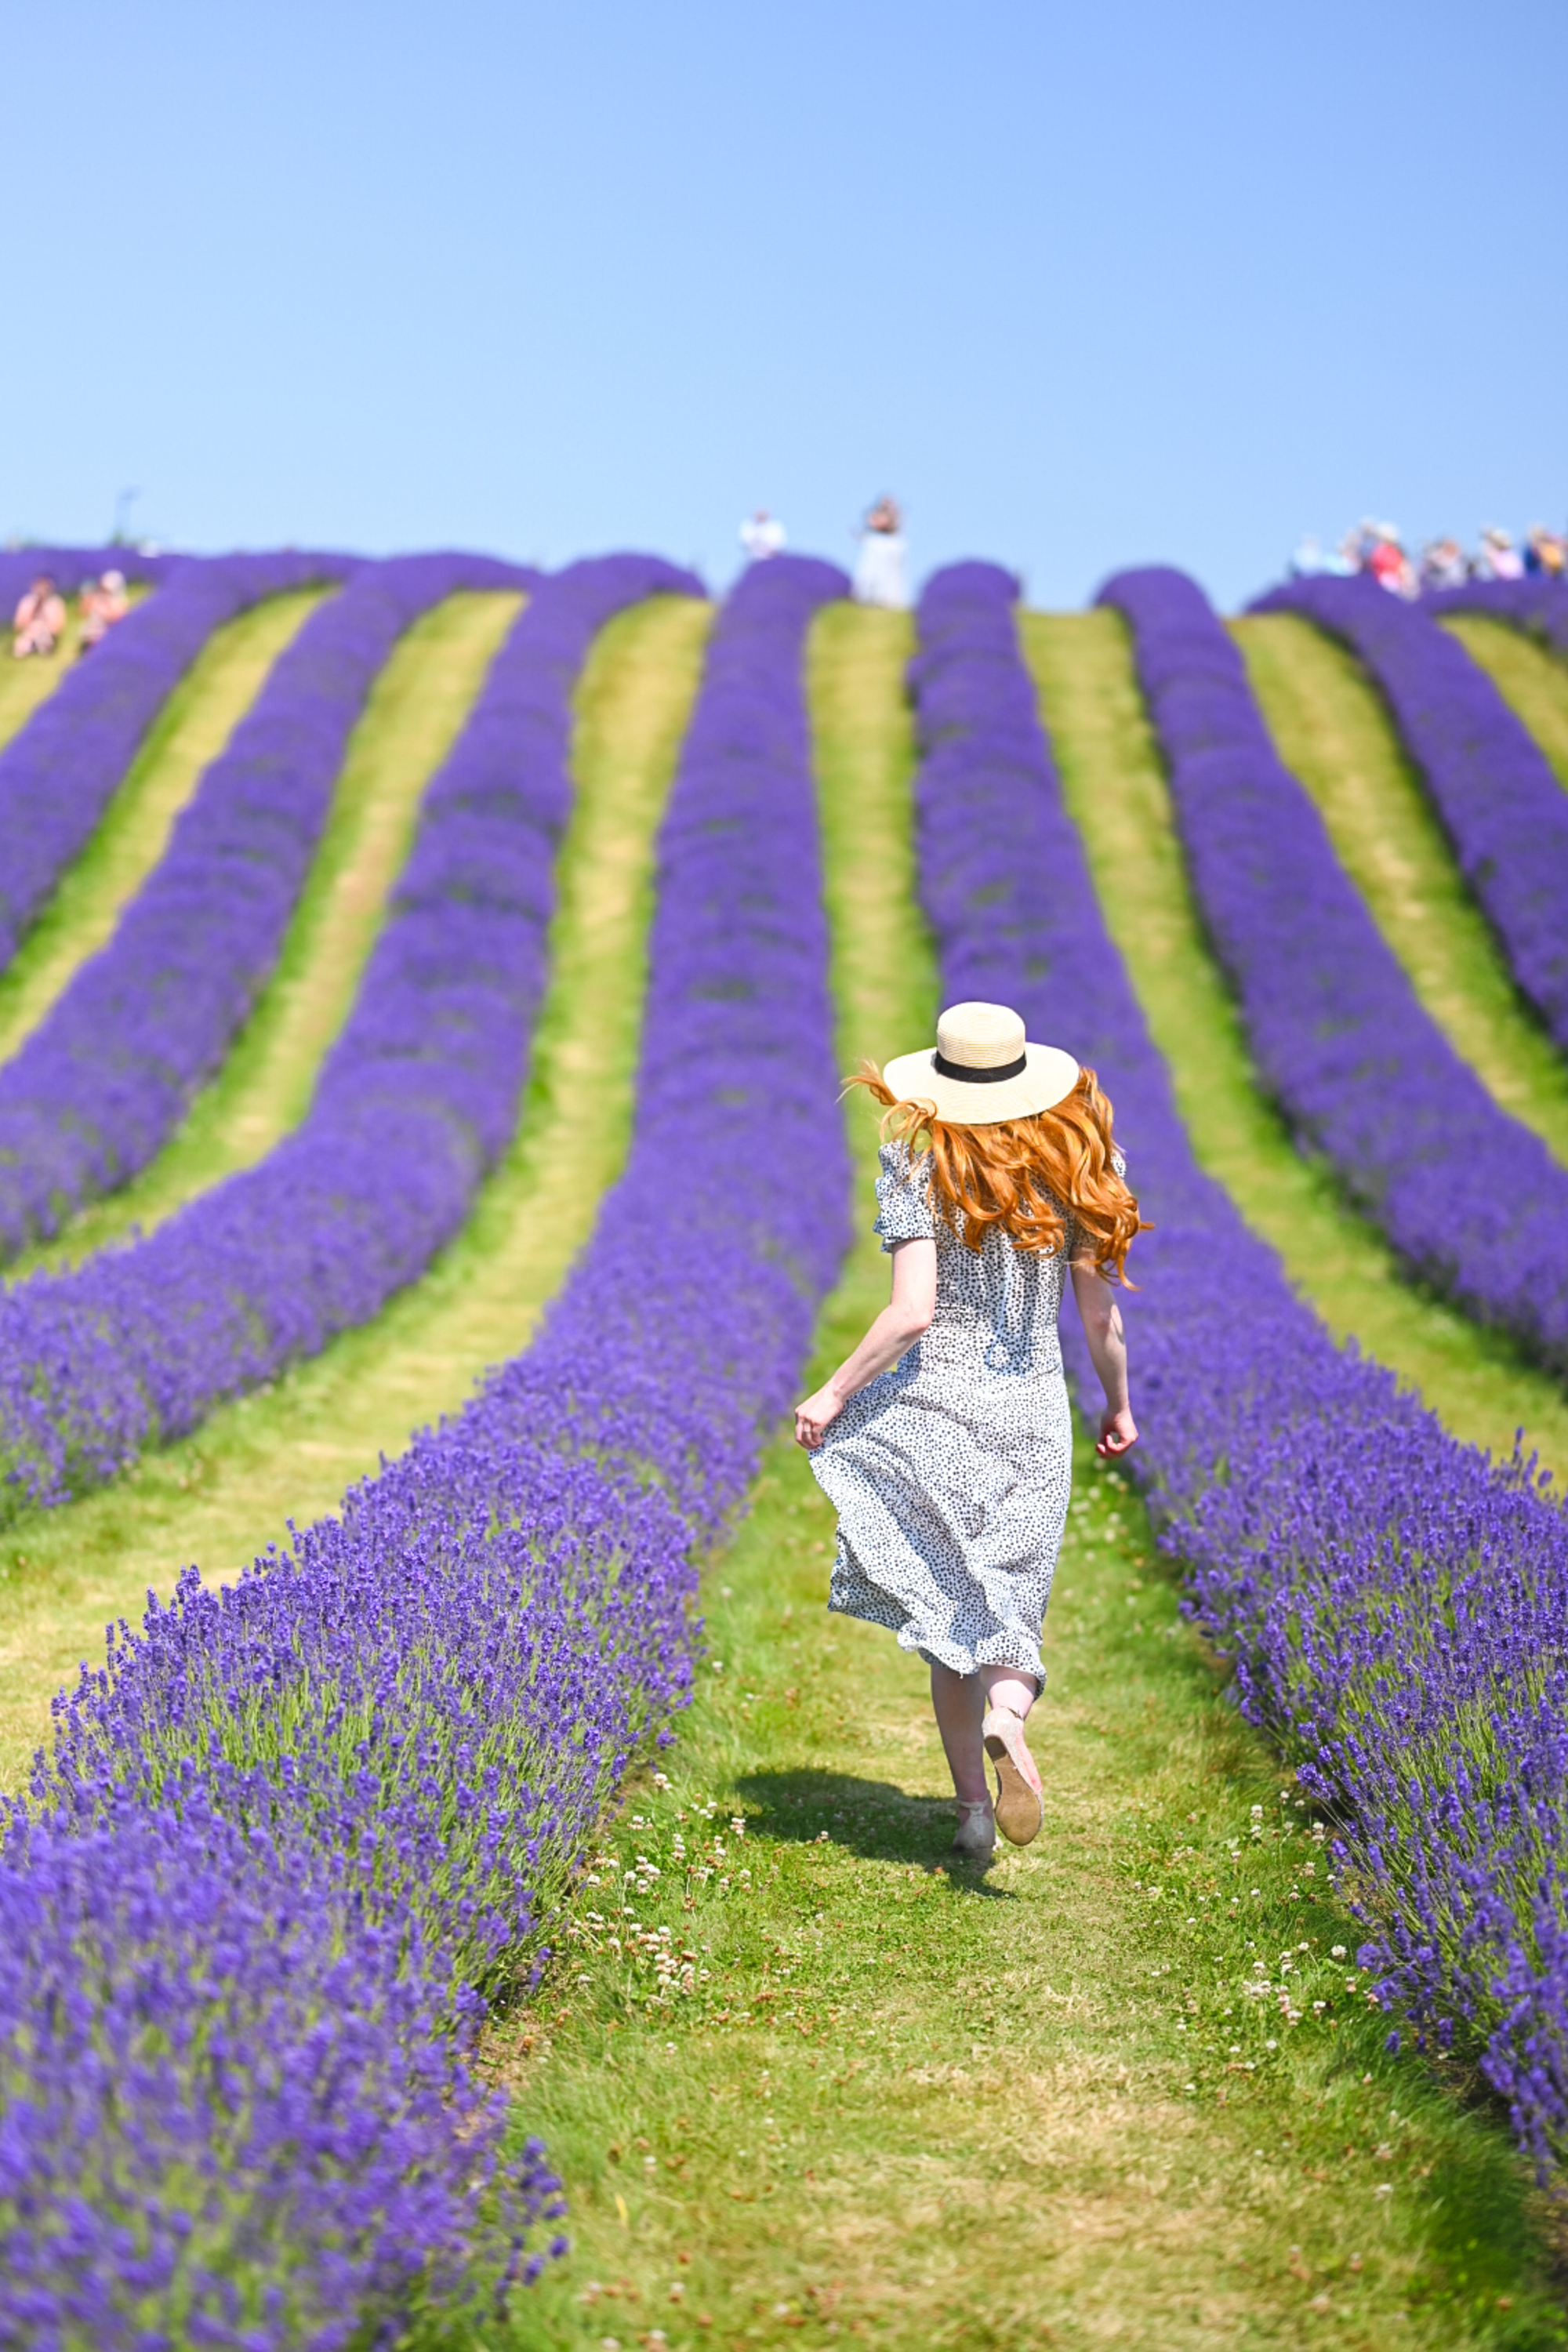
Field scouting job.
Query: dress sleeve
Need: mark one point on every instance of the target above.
(903, 1197)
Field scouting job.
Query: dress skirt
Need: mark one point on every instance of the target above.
(951, 1474)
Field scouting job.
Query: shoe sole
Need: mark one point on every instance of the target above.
(1020, 1815)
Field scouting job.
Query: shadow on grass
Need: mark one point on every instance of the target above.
(870, 1817)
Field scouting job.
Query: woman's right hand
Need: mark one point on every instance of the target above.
(1118, 1434)
(812, 1416)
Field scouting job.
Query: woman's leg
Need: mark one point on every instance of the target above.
(1006, 1686)
(1020, 1809)
(958, 1702)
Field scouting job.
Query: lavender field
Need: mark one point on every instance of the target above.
(470, 1898)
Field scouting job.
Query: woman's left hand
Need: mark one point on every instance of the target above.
(811, 1419)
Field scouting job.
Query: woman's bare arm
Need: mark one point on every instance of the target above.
(900, 1323)
(1103, 1328)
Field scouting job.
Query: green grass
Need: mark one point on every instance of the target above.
(1332, 730)
(411, 718)
(191, 730)
(1481, 1387)
(900, 2101)
(1529, 678)
(289, 1451)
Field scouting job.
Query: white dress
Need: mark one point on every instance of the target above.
(880, 569)
(950, 1474)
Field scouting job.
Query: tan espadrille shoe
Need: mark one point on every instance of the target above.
(1020, 1812)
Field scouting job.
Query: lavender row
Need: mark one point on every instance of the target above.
(1536, 604)
(1473, 1201)
(20, 567)
(1392, 1602)
(414, 1103)
(1503, 810)
(103, 1081)
(297, 1831)
(57, 775)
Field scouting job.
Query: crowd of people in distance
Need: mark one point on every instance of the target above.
(39, 621)
(881, 562)
(1377, 548)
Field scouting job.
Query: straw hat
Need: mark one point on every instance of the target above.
(984, 1070)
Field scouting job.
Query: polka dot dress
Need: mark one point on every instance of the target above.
(950, 1474)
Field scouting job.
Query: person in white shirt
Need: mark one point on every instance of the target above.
(881, 576)
(761, 535)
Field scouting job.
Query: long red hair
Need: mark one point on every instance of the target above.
(1024, 1173)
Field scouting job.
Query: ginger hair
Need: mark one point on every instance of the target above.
(1023, 1173)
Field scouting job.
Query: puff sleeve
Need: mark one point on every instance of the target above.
(903, 1197)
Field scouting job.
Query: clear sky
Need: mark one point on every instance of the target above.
(1085, 285)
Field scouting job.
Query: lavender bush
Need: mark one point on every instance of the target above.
(1503, 810)
(1471, 1199)
(68, 567)
(414, 1103)
(1536, 604)
(57, 775)
(1394, 1603)
(103, 1080)
(343, 1793)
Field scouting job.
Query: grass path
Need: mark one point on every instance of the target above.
(911, 2105)
(1526, 676)
(1333, 731)
(289, 1451)
(411, 720)
(1116, 790)
(191, 730)
(25, 686)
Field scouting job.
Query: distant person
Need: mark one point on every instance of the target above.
(1499, 558)
(103, 602)
(761, 535)
(1544, 554)
(1443, 564)
(39, 619)
(1308, 561)
(880, 571)
(1388, 563)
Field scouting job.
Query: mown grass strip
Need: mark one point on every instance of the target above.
(25, 686)
(813, 2082)
(289, 1452)
(1333, 731)
(1526, 676)
(1116, 790)
(193, 727)
(411, 720)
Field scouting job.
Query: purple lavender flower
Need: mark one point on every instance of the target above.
(1392, 1602)
(1470, 1199)
(57, 776)
(414, 1103)
(1503, 810)
(294, 1830)
(1538, 604)
(105, 1079)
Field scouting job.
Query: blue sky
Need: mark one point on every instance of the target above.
(1085, 285)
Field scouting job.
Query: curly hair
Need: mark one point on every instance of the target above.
(1024, 1173)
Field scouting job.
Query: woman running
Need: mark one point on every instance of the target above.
(945, 1441)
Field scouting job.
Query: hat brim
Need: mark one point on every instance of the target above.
(1048, 1078)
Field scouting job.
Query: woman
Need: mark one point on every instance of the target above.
(945, 1441)
(38, 620)
(879, 567)
(103, 602)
